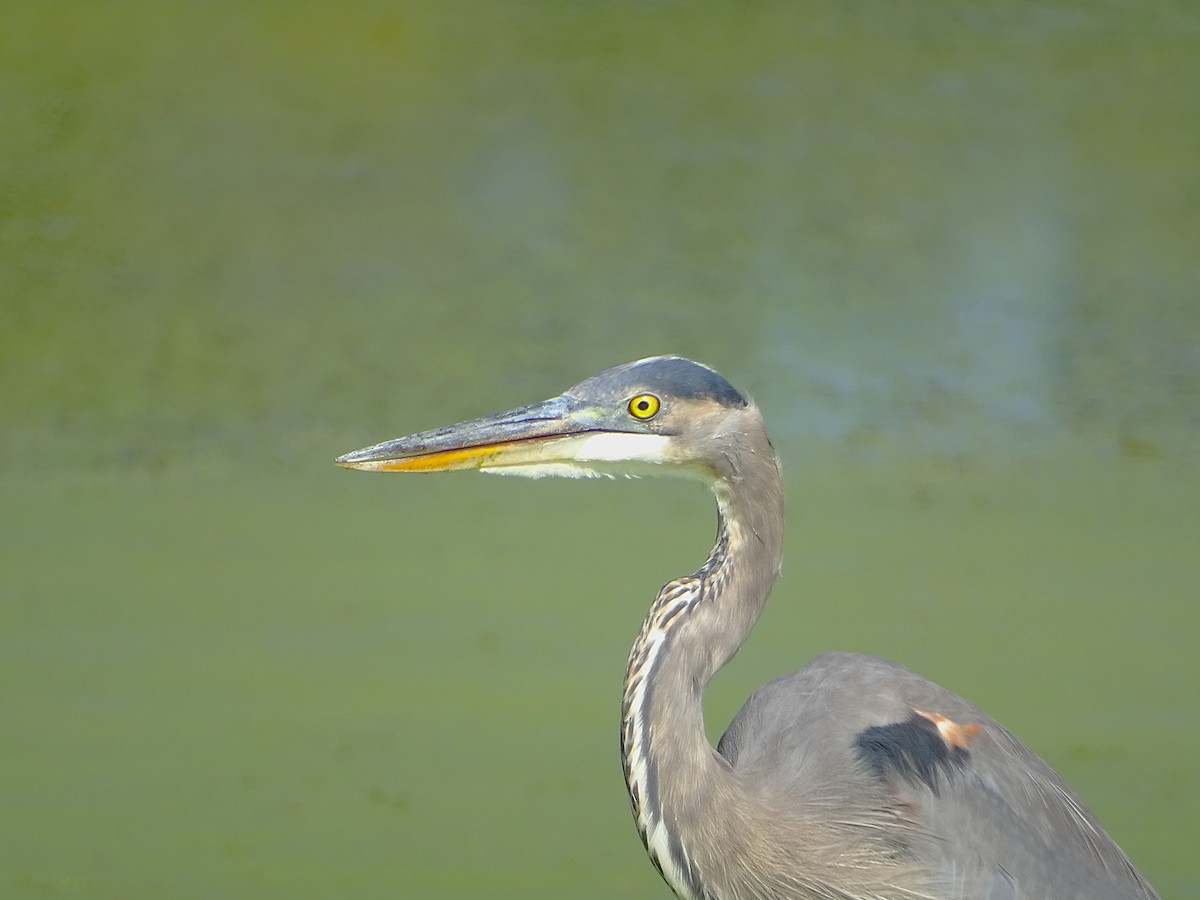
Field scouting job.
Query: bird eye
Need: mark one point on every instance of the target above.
(644, 406)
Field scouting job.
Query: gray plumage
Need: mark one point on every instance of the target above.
(851, 779)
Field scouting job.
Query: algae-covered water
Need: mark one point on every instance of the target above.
(950, 248)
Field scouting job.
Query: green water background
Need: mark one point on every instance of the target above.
(953, 250)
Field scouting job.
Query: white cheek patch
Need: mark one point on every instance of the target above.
(597, 455)
(546, 470)
(602, 454)
(611, 446)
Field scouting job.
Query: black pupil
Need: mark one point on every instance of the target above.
(643, 405)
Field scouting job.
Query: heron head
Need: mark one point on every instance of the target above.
(659, 416)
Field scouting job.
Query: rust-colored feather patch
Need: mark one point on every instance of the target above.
(952, 732)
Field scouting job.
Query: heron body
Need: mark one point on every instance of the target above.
(851, 779)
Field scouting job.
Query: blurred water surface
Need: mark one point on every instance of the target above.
(951, 249)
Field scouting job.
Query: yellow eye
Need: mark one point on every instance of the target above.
(644, 406)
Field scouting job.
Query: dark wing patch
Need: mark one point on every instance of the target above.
(914, 749)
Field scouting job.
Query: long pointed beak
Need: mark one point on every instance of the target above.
(520, 437)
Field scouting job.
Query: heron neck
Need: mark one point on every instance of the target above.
(694, 627)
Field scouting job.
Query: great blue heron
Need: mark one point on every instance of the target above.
(851, 778)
